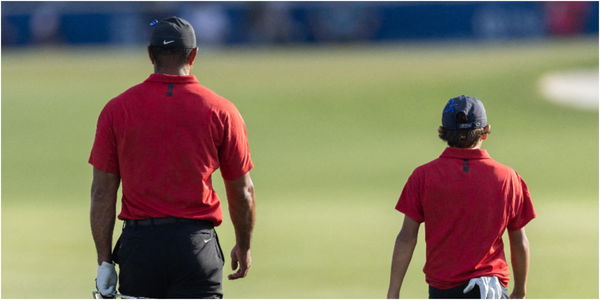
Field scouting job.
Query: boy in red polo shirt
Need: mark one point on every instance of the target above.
(467, 200)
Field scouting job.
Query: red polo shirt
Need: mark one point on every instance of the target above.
(466, 200)
(165, 137)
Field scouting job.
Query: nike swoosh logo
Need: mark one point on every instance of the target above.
(167, 42)
(206, 241)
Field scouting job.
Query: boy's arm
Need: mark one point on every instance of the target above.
(519, 253)
(403, 251)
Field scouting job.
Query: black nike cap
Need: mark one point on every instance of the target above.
(472, 108)
(173, 32)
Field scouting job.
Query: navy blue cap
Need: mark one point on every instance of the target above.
(173, 32)
(472, 108)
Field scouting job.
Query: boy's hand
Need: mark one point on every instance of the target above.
(517, 295)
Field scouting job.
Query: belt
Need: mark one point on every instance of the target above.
(165, 221)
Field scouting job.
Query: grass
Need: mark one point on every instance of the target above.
(335, 131)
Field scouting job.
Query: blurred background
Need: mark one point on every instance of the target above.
(284, 23)
(342, 101)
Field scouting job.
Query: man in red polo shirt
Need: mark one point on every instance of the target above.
(466, 200)
(163, 139)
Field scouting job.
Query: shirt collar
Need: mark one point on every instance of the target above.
(465, 153)
(156, 77)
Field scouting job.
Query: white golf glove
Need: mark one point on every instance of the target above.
(106, 279)
(489, 287)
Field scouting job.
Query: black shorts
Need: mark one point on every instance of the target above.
(180, 260)
(457, 293)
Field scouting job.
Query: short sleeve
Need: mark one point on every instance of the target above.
(523, 210)
(104, 151)
(234, 153)
(410, 202)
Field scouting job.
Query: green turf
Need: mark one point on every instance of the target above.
(335, 131)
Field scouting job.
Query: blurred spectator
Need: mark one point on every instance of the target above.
(272, 22)
(344, 22)
(566, 18)
(211, 23)
(45, 23)
(489, 22)
(496, 21)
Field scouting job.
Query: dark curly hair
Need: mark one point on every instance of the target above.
(462, 138)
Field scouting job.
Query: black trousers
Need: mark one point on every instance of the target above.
(457, 293)
(179, 260)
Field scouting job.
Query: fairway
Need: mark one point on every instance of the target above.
(334, 133)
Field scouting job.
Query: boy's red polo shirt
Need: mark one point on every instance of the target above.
(165, 137)
(466, 200)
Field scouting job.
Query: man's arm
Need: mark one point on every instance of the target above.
(403, 251)
(519, 254)
(103, 212)
(240, 196)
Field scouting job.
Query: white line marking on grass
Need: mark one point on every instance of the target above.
(575, 88)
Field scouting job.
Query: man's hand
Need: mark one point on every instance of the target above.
(102, 220)
(240, 194)
(106, 280)
(242, 259)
